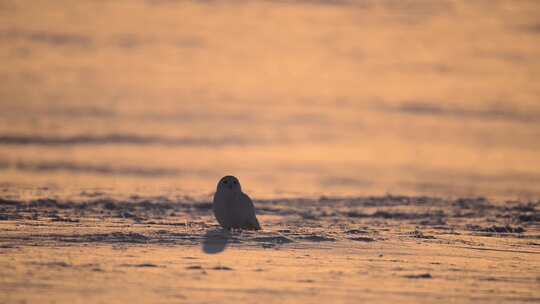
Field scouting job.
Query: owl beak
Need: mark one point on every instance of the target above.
(230, 186)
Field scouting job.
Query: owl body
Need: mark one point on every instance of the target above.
(233, 208)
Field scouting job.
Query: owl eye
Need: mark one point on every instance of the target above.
(224, 182)
(235, 182)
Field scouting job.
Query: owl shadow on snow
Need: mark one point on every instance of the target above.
(215, 241)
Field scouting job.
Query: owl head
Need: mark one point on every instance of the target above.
(229, 183)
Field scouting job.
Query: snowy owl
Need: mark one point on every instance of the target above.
(232, 207)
